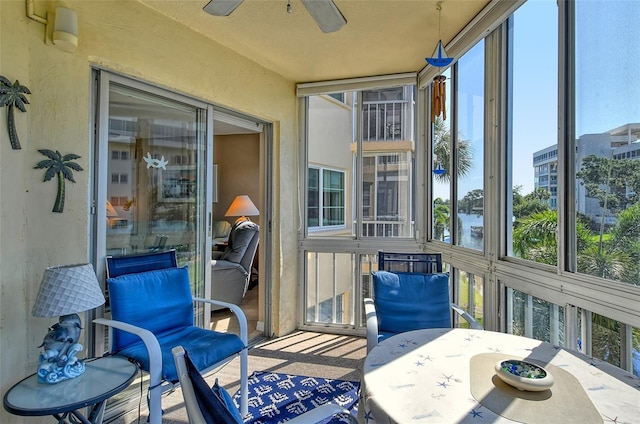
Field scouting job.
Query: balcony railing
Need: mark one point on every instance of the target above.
(385, 121)
(386, 228)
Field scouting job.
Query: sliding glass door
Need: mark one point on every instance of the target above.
(151, 175)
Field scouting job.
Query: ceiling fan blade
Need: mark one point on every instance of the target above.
(326, 14)
(222, 7)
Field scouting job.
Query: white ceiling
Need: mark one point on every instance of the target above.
(381, 36)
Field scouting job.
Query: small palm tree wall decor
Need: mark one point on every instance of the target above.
(13, 96)
(62, 167)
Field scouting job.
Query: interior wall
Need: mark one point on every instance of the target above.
(128, 38)
(238, 160)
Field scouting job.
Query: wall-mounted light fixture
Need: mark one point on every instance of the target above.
(61, 27)
(65, 29)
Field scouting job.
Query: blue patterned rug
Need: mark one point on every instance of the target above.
(276, 398)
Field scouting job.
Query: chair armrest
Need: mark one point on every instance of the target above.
(372, 323)
(321, 412)
(221, 264)
(150, 342)
(242, 318)
(472, 322)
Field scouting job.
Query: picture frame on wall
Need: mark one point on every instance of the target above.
(177, 184)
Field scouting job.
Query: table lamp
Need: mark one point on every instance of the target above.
(242, 206)
(65, 290)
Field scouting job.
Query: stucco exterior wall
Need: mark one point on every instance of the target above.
(127, 38)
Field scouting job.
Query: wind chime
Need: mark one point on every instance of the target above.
(440, 60)
(439, 88)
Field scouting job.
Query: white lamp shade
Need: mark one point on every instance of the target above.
(67, 289)
(65, 29)
(242, 206)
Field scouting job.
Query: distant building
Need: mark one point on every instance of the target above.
(618, 143)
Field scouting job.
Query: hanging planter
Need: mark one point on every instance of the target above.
(62, 167)
(13, 96)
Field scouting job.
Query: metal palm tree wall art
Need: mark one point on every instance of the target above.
(13, 96)
(62, 167)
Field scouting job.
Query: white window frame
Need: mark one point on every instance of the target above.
(322, 227)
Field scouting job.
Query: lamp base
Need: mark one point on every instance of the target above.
(57, 371)
(58, 360)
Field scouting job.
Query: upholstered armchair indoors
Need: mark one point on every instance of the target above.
(231, 269)
(220, 232)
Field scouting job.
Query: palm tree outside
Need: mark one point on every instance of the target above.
(442, 150)
(62, 167)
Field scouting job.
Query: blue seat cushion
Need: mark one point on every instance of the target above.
(408, 301)
(205, 348)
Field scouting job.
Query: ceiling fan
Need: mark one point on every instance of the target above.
(324, 12)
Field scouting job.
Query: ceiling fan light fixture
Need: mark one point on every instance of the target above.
(326, 14)
(222, 7)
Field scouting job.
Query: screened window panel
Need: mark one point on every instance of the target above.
(469, 148)
(607, 127)
(532, 195)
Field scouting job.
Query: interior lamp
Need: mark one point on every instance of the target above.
(64, 291)
(112, 214)
(242, 206)
(65, 29)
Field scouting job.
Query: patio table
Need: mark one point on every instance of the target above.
(448, 376)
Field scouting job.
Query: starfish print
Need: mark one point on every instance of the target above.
(476, 413)
(443, 384)
(419, 364)
(448, 377)
(612, 420)
(426, 357)
(367, 416)
(155, 163)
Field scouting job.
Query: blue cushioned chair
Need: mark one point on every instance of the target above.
(212, 405)
(413, 295)
(152, 312)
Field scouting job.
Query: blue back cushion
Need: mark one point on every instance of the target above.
(408, 301)
(159, 301)
(121, 265)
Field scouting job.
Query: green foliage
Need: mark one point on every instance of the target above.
(441, 216)
(609, 181)
(534, 202)
(442, 150)
(472, 203)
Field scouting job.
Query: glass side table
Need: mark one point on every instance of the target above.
(103, 378)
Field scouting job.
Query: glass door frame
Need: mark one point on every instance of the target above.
(98, 236)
